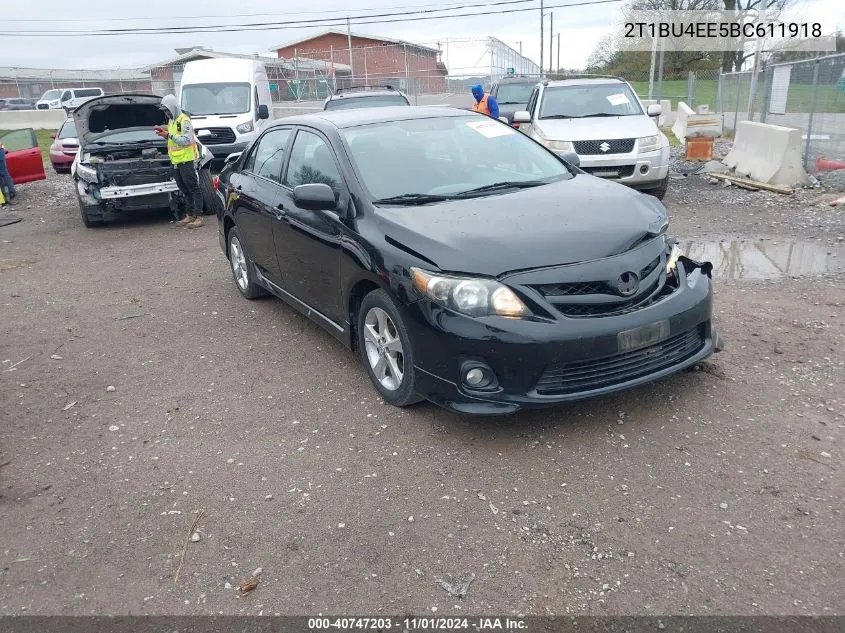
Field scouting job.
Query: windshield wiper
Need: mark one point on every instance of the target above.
(601, 114)
(505, 184)
(410, 199)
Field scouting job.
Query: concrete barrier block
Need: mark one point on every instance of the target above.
(36, 119)
(768, 153)
(689, 124)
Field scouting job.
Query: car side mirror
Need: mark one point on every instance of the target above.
(571, 158)
(53, 135)
(231, 158)
(521, 116)
(655, 110)
(315, 197)
(263, 111)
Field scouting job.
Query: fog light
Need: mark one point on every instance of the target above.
(477, 375)
(643, 169)
(474, 377)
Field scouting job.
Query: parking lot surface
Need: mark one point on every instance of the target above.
(141, 394)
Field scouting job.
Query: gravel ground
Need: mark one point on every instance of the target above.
(145, 390)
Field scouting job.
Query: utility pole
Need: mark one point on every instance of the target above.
(542, 28)
(551, 38)
(558, 51)
(520, 48)
(349, 44)
(651, 69)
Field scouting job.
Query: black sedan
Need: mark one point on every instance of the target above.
(465, 263)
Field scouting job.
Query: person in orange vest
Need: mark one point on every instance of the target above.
(484, 103)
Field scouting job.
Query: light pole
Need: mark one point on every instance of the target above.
(542, 28)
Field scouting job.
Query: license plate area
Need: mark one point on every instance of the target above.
(643, 336)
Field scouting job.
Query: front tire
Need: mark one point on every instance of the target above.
(660, 190)
(89, 219)
(211, 204)
(243, 270)
(385, 349)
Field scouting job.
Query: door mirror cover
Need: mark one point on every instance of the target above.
(571, 158)
(655, 110)
(263, 111)
(521, 116)
(315, 197)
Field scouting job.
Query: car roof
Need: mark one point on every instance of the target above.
(520, 80)
(353, 118)
(584, 81)
(377, 92)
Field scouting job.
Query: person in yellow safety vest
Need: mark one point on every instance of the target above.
(484, 103)
(183, 152)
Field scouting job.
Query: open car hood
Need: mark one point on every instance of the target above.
(103, 115)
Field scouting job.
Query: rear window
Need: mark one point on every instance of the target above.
(347, 103)
(88, 92)
(68, 130)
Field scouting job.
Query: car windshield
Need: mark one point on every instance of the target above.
(50, 95)
(128, 136)
(68, 130)
(447, 155)
(216, 98)
(514, 94)
(588, 100)
(347, 103)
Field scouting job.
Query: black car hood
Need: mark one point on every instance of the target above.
(571, 221)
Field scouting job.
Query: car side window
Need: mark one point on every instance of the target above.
(255, 99)
(312, 161)
(267, 159)
(19, 139)
(66, 95)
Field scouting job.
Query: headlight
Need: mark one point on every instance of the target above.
(672, 261)
(88, 174)
(243, 128)
(648, 144)
(474, 297)
(559, 146)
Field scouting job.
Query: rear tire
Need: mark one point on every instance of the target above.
(243, 270)
(211, 204)
(660, 191)
(385, 349)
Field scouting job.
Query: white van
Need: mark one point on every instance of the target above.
(228, 101)
(67, 98)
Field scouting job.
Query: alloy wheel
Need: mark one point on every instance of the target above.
(384, 349)
(238, 260)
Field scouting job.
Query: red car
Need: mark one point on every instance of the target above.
(23, 156)
(64, 147)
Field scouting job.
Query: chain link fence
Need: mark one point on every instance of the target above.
(808, 95)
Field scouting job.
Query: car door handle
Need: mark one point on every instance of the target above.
(279, 211)
(239, 188)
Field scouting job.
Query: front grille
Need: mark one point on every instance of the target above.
(607, 371)
(597, 148)
(550, 291)
(218, 136)
(616, 171)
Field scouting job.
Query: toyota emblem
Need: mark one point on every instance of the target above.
(604, 146)
(628, 284)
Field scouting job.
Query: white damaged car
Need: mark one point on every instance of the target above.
(602, 121)
(122, 165)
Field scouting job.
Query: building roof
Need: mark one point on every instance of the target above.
(378, 38)
(49, 74)
(287, 64)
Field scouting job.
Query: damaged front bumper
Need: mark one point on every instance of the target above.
(542, 363)
(114, 192)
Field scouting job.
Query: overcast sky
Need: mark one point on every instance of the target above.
(580, 27)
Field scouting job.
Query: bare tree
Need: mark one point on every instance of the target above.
(735, 59)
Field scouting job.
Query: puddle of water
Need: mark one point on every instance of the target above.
(766, 259)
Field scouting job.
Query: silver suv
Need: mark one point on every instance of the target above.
(365, 97)
(601, 120)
